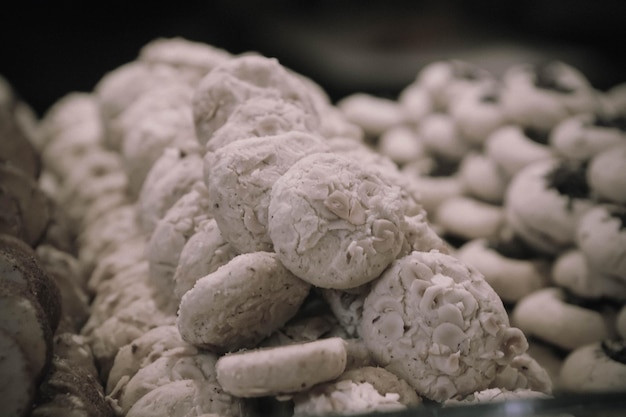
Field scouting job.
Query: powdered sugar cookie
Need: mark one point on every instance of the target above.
(225, 87)
(547, 315)
(601, 236)
(240, 303)
(172, 232)
(436, 323)
(185, 398)
(384, 382)
(239, 178)
(144, 350)
(584, 135)
(416, 102)
(281, 370)
(512, 147)
(205, 251)
(335, 223)
(540, 96)
(420, 235)
(263, 116)
(545, 201)
(171, 177)
(174, 366)
(606, 174)
(147, 138)
(490, 395)
(596, 367)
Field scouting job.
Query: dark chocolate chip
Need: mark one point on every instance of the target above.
(536, 135)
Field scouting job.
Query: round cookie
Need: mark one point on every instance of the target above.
(174, 366)
(584, 135)
(435, 322)
(416, 102)
(334, 223)
(547, 315)
(172, 232)
(240, 177)
(596, 367)
(238, 79)
(144, 350)
(606, 174)
(545, 201)
(281, 370)
(263, 116)
(171, 177)
(148, 137)
(185, 398)
(601, 237)
(240, 303)
(205, 251)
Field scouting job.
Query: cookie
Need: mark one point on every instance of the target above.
(373, 114)
(281, 370)
(240, 303)
(468, 218)
(171, 176)
(435, 322)
(335, 223)
(482, 178)
(204, 252)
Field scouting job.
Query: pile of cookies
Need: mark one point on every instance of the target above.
(243, 246)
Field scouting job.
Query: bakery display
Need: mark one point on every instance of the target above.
(208, 234)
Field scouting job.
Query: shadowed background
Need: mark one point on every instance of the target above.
(48, 49)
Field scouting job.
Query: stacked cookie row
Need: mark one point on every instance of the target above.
(523, 174)
(48, 368)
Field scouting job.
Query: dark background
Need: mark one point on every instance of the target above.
(48, 48)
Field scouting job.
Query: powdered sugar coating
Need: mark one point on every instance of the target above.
(435, 322)
(335, 223)
(240, 303)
